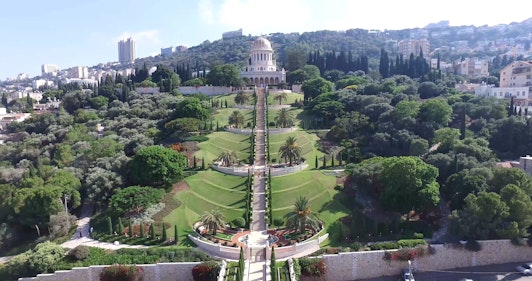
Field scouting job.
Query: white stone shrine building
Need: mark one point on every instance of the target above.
(261, 67)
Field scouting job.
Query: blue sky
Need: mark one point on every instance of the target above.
(76, 32)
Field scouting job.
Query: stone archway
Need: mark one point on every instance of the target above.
(271, 81)
(276, 80)
(256, 81)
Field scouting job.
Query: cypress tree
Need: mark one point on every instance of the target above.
(273, 267)
(176, 235)
(241, 265)
(332, 160)
(120, 227)
(152, 231)
(194, 162)
(324, 162)
(340, 159)
(462, 124)
(141, 232)
(130, 228)
(202, 163)
(164, 235)
(217, 126)
(225, 102)
(316, 162)
(109, 226)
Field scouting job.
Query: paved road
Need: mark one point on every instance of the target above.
(505, 271)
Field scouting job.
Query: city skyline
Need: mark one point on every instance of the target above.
(57, 32)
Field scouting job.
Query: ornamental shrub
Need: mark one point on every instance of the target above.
(119, 272)
(239, 222)
(79, 253)
(207, 271)
(313, 267)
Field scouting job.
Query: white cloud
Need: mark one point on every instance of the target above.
(257, 16)
(206, 11)
(141, 37)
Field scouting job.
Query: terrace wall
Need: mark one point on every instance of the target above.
(152, 272)
(362, 265)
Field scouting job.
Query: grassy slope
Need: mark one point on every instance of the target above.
(208, 190)
(314, 185)
(306, 140)
(290, 98)
(222, 116)
(220, 141)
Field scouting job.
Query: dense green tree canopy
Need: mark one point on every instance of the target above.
(135, 199)
(191, 107)
(409, 184)
(314, 87)
(224, 75)
(157, 166)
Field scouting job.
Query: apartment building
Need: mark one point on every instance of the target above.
(126, 51)
(49, 69)
(81, 72)
(472, 67)
(517, 74)
(413, 46)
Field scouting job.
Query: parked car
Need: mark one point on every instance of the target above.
(525, 269)
(407, 275)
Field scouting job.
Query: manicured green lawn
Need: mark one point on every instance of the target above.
(220, 141)
(313, 184)
(221, 117)
(208, 190)
(305, 140)
(272, 113)
(290, 98)
(230, 98)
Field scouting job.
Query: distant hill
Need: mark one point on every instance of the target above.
(358, 41)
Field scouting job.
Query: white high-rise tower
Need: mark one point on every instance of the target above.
(126, 51)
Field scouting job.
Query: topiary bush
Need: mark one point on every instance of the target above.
(119, 272)
(207, 271)
(79, 253)
(239, 222)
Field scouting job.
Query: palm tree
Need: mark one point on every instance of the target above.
(241, 98)
(213, 220)
(226, 158)
(284, 118)
(290, 150)
(302, 216)
(281, 97)
(237, 119)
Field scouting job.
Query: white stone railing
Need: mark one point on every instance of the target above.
(240, 131)
(276, 131)
(279, 106)
(243, 106)
(288, 170)
(235, 171)
(217, 250)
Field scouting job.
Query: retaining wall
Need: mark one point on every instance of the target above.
(151, 272)
(355, 265)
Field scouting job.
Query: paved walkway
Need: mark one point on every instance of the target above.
(85, 239)
(258, 237)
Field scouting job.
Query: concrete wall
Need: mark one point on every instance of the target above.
(276, 131)
(152, 272)
(206, 90)
(351, 266)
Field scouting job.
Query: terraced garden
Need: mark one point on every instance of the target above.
(208, 190)
(290, 98)
(220, 141)
(221, 117)
(316, 186)
(306, 140)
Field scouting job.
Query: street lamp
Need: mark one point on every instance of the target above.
(66, 211)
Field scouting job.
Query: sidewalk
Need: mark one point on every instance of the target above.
(85, 239)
